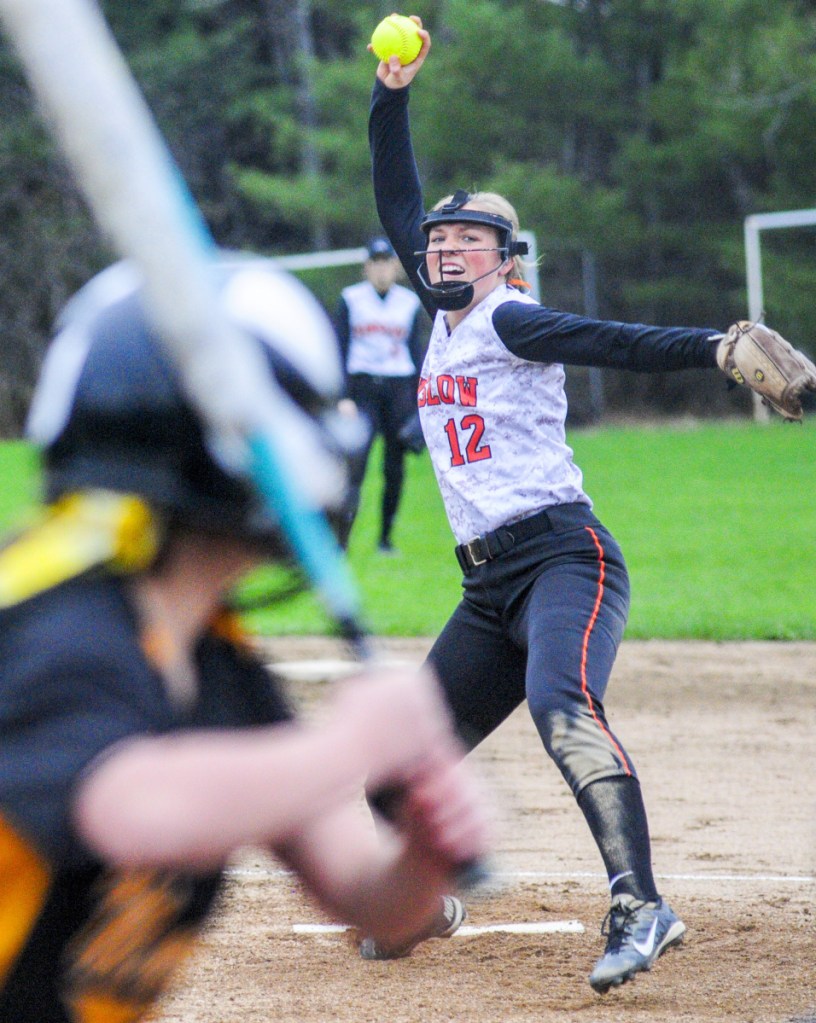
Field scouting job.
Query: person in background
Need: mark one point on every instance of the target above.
(142, 739)
(379, 327)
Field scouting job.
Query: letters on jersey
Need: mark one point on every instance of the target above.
(491, 420)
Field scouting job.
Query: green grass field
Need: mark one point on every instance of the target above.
(717, 522)
(19, 486)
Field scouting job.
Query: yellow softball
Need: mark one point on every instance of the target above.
(398, 35)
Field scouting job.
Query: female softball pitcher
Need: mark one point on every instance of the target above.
(546, 591)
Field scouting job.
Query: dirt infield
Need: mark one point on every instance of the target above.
(724, 736)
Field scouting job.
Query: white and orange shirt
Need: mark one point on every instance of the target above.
(379, 330)
(494, 425)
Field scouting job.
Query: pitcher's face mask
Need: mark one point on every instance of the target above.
(453, 291)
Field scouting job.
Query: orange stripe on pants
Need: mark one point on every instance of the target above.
(585, 647)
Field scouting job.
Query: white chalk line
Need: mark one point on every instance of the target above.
(567, 875)
(466, 930)
(532, 927)
(323, 671)
(547, 875)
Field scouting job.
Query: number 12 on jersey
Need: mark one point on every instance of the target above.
(471, 428)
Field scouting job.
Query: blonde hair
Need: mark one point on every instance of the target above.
(492, 202)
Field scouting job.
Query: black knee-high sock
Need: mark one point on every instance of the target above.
(614, 810)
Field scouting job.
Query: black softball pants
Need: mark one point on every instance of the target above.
(543, 622)
(387, 403)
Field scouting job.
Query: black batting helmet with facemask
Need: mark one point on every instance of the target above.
(459, 294)
(112, 417)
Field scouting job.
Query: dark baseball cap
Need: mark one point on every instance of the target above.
(380, 248)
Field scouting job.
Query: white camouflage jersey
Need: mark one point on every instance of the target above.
(379, 328)
(494, 425)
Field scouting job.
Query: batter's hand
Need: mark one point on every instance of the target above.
(398, 724)
(444, 815)
(415, 774)
(397, 76)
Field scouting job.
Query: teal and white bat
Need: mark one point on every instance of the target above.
(140, 202)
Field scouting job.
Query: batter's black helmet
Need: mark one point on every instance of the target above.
(110, 412)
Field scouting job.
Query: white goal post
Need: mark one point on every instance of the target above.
(753, 225)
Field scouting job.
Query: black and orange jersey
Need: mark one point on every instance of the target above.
(79, 942)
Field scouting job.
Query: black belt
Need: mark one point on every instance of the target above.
(491, 545)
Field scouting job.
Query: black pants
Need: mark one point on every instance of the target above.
(543, 622)
(387, 403)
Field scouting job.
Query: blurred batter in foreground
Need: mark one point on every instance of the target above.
(142, 741)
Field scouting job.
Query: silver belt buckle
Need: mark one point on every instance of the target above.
(473, 560)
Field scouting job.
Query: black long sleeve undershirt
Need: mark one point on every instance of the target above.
(532, 332)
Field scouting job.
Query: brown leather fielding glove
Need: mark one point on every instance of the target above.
(757, 357)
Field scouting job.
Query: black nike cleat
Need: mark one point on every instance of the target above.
(637, 934)
(450, 918)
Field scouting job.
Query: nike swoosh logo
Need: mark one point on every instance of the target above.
(647, 947)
